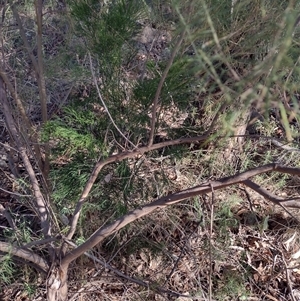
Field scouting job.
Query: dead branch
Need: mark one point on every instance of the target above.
(24, 254)
(41, 242)
(23, 36)
(39, 74)
(291, 203)
(15, 97)
(135, 214)
(14, 193)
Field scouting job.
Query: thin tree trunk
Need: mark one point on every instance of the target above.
(57, 284)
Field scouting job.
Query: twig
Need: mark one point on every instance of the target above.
(292, 203)
(41, 84)
(39, 74)
(180, 256)
(250, 204)
(27, 123)
(104, 105)
(40, 242)
(16, 97)
(15, 193)
(160, 85)
(24, 39)
(8, 146)
(217, 41)
(40, 67)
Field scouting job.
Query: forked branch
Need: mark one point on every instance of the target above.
(115, 158)
(132, 154)
(121, 222)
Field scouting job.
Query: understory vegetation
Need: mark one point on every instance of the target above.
(149, 150)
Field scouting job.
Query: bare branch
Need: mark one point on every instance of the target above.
(24, 254)
(38, 68)
(39, 198)
(41, 242)
(23, 36)
(15, 193)
(16, 98)
(21, 109)
(121, 222)
(119, 157)
(160, 86)
(291, 203)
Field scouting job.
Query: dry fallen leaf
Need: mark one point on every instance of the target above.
(108, 178)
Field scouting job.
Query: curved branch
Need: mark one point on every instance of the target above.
(119, 157)
(135, 214)
(25, 255)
